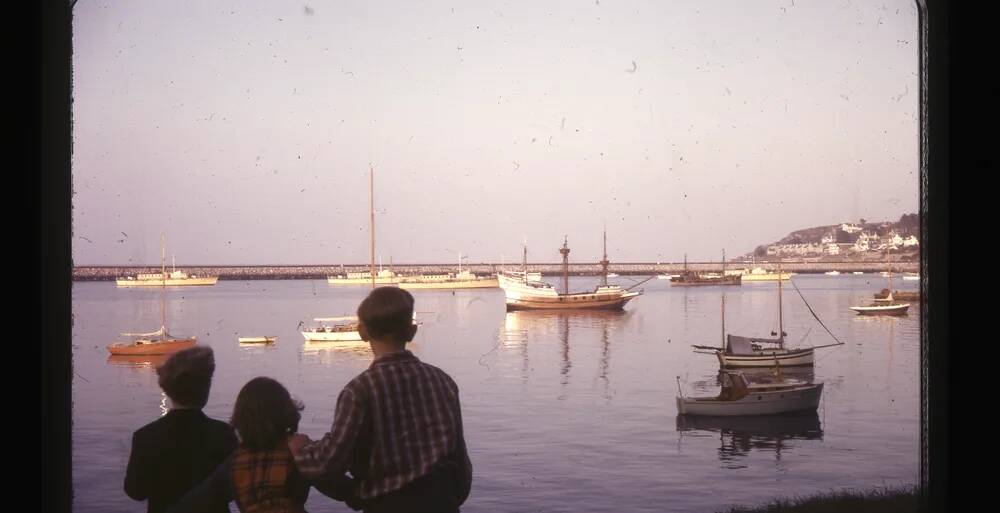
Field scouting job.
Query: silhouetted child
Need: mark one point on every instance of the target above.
(398, 425)
(261, 475)
(177, 451)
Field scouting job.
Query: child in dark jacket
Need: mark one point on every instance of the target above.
(171, 455)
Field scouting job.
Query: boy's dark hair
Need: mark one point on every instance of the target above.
(186, 377)
(265, 414)
(387, 314)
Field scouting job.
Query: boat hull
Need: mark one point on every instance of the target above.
(334, 336)
(169, 282)
(257, 340)
(768, 358)
(797, 399)
(145, 347)
(766, 277)
(697, 281)
(895, 310)
(487, 283)
(361, 281)
(567, 303)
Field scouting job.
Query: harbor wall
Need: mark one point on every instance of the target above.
(295, 272)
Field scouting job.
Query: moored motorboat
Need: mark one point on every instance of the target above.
(739, 397)
(887, 305)
(258, 340)
(333, 329)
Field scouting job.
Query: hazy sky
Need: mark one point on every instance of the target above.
(244, 129)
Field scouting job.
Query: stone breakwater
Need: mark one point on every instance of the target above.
(313, 272)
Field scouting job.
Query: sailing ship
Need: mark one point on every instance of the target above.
(739, 397)
(887, 305)
(523, 294)
(159, 341)
(689, 278)
(739, 351)
(174, 279)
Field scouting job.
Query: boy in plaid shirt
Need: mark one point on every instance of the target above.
(397, 426)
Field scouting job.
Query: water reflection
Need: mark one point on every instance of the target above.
(333, 352)
(564, 339)
(739, 435)
(521, 326)
(150, 361)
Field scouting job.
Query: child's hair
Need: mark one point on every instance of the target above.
(387, 314)
(265, 414)
(186, 377)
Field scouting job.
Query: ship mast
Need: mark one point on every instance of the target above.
(604, 262)
(564, 251)
(371, 204)
(888, 262)
(163, 285)
(723, 319)
(781, 326)
(524, 261)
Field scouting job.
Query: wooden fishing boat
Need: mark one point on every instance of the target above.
(692, 279)
(739, 397)
(887, 305)
(901, 295)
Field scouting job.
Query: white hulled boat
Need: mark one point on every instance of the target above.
(761, 274)
(460, 280)
(333, 329)
(739, 351)
(163, 279)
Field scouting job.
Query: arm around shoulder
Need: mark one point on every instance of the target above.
(212, 493)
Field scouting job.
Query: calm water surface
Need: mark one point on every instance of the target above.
(563, 412)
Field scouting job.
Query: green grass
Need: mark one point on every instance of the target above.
(878, 500)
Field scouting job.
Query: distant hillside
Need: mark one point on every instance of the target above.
(907, 225)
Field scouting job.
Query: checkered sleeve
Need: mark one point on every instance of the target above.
(330, 456)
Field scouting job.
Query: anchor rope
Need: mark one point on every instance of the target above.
(812, 312)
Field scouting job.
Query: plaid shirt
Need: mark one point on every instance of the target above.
(267, 481)
(393, 422)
